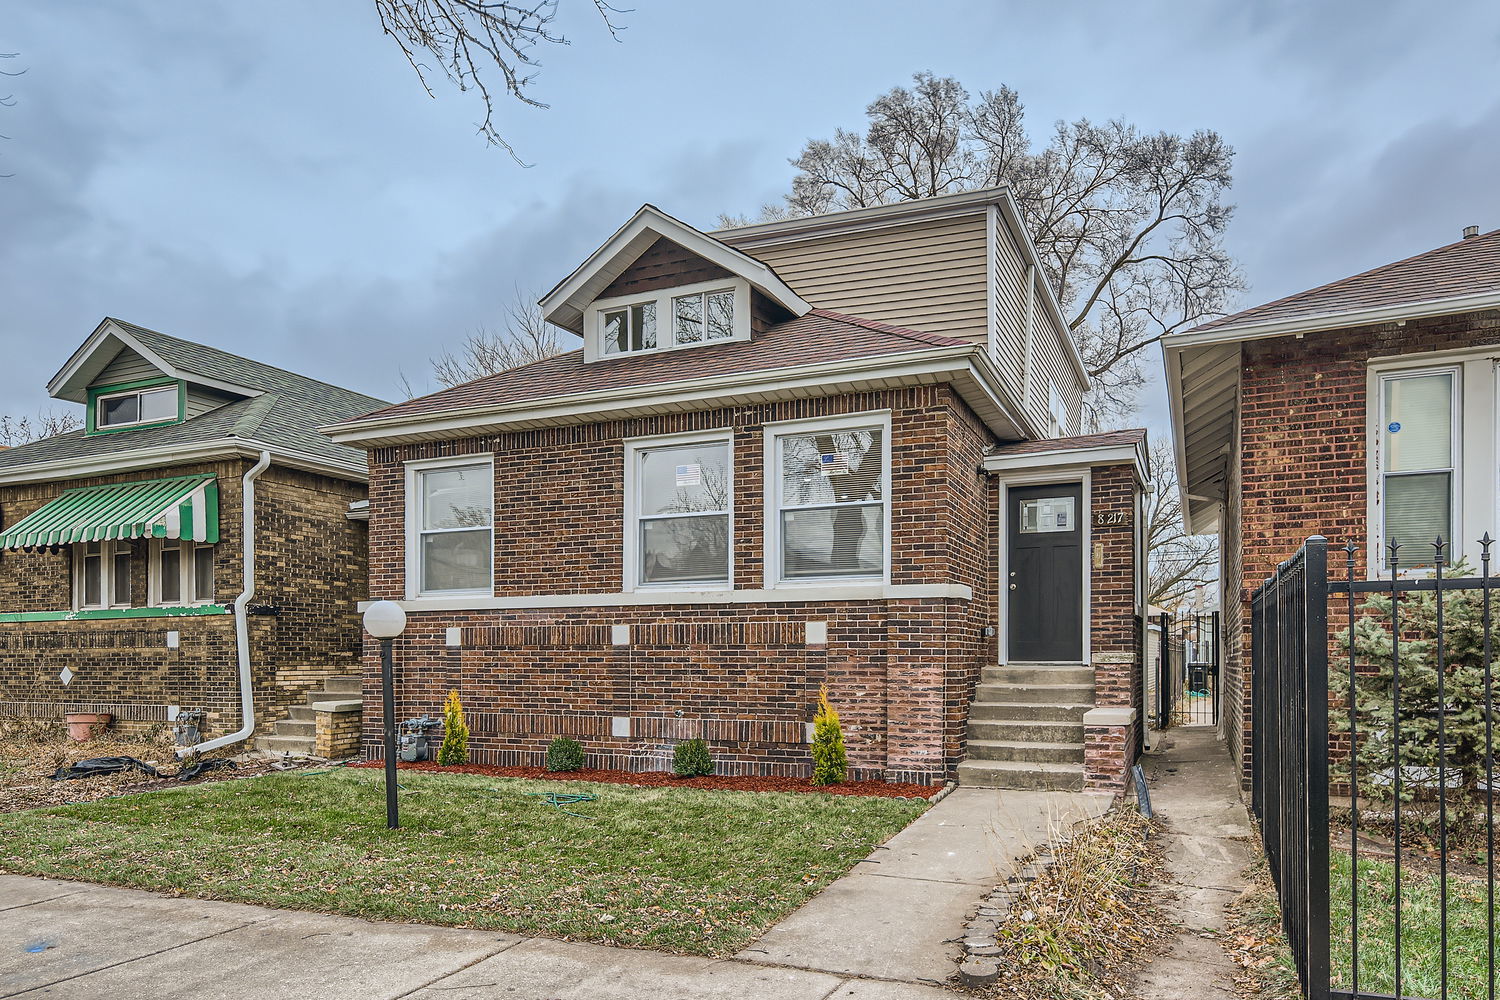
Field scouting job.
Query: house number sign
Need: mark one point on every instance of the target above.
(1111, 518)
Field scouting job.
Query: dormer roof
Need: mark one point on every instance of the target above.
(564, 305)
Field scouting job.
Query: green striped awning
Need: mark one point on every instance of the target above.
(183, 507)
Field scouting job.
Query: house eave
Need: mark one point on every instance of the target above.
(564, 305)
(965, 367)
(198, 451)
(1321, 322)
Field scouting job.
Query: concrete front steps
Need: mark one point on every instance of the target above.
(295, 733)
(1026, 727)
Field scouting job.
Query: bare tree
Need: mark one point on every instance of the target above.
(480, 45)
(526, 337)
(1129, 226)
(46, 423)
(1178, 563)
(8, 100)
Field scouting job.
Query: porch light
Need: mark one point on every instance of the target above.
(385, 620)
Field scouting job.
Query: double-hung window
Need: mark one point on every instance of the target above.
(450, 539)
(1418, 440)
(182, 572)
(678, 511)
(829, 500)
(101, 574)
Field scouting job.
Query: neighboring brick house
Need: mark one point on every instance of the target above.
(787, 455)
(122, 547)
(1362, 410)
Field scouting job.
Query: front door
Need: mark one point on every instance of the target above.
(1045, 584)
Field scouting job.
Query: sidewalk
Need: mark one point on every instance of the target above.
(900, 913)
(886, 931)
(1195, 790)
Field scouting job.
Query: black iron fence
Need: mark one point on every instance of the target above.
(1373, 769)
(1182, 685)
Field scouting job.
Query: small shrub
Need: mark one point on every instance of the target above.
(691, 759)
(455, 748)
(830, 762)
(564, 754)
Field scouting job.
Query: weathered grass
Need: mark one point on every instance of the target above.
(674, 869)
(1420, 930)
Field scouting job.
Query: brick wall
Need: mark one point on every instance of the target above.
(1303, 463)
(901, 672)
(311, 566)
(1114, 637)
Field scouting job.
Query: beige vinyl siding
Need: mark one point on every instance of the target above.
(928, 275)
(1053, 368)
(1009, 345)
(200, 401)
(127, 366)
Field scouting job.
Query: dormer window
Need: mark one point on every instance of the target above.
(670, 319)
(119, 407)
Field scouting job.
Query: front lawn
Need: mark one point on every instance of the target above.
(1420, 930)
(669, 868)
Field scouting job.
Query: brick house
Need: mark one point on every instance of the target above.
(786, 455)
(1363, 410)
(123, 547)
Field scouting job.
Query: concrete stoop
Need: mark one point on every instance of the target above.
(1026, 727)
(296, 733)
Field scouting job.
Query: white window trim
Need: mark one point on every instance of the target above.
(593, 318)
(187, 578)
(772, 508)
(1374, 465)
(631, 536)
(107, 550)
(99, 402)
(413, 535)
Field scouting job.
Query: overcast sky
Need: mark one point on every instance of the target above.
(270, 178)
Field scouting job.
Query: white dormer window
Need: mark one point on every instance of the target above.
(669, 319)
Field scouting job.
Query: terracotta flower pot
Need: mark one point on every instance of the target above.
(85, 725)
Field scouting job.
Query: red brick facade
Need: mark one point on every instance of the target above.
(744, 676)
(311, 567)
(1303, 467)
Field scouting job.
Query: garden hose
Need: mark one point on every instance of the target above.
(559, 800)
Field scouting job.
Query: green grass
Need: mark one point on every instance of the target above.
(1420, 930)
(669, 868)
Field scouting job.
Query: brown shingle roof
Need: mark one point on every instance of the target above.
(1468, 267)
(1133, 436)
(820, 336)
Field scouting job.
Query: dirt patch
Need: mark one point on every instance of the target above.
(665, 779)
(29, 757)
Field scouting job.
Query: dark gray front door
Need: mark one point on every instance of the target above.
(1045, 584)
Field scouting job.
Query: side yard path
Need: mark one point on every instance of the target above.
(1195, 791)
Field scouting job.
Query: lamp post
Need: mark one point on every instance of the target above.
(385, 620)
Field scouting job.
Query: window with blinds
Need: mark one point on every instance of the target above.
(1417, 469)
(832, 501)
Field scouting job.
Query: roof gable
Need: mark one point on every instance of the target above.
(112, 340)
(563, 306)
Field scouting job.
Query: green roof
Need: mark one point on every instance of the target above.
(286, 414)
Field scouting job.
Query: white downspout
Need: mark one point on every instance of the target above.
(241, 628)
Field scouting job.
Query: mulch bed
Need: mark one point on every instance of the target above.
(665, 779)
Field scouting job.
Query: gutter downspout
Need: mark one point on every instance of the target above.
(241, 627)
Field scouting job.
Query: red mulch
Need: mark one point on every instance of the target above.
(665, 779)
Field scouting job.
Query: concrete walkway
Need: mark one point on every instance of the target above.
(900, 912)
(66, 940)
(1195, 790)
(880, 933)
